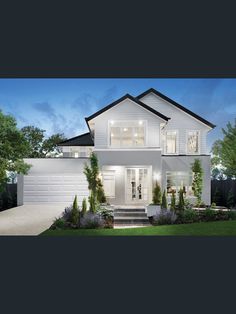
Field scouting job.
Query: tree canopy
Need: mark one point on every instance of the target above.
(224, 150)
(38, 145)
(13, 148)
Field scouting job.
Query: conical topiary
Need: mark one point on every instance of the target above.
(181, 200)
(173, 201)
(164, 200)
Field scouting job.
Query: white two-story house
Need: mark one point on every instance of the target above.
(138, 141)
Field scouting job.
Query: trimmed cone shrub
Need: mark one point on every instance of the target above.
(164, 200)
(75, 212)
(173, 201)
(181, 200)
(84, 207)
(156, 197)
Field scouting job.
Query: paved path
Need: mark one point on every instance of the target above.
(29, 219)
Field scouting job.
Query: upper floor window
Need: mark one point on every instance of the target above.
(193, 142)
(171, 142)
(127, 133)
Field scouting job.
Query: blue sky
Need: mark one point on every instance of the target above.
(60, 105)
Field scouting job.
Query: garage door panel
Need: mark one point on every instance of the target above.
(55, 188)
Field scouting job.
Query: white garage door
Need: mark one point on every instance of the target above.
(54, 188)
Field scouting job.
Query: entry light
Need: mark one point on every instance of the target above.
(157, 176)
(135, 134)
(112, 134)
(140, 122)
(125, 129)
(112, 122)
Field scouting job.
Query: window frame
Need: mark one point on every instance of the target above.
(127, 121)
(177, 142)
(111, 173)
(199, 138)
(187, 173)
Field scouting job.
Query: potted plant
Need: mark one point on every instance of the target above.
(155, 206)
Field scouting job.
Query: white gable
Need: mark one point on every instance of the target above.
(180, 120)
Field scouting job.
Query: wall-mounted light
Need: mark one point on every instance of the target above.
(112, 122)
(135, 134)
(125, 129)
(140, 122)
(157, 176)
(112, 134)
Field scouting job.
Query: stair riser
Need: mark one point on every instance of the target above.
(121, 214)
(130, 221)
(128, 210)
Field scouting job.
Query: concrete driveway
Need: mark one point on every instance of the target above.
(29, 219)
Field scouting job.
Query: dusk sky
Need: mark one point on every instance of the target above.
(60, 105)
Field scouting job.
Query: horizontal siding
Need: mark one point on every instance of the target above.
(179, 121)
(126, 110)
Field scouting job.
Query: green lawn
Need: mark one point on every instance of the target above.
(217, 228)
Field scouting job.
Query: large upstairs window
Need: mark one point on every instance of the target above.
(127, 133)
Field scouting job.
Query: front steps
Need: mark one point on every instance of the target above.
(130, 217)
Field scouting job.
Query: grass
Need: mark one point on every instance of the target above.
(217, 228)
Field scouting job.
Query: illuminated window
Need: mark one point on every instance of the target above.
(127, 134)
(177, 180)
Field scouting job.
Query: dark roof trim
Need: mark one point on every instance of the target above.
(80, 140)
(154, 91)
(127, 96)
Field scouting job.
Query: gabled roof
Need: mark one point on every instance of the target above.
(152, 90)
(81, 140)
(127, 96)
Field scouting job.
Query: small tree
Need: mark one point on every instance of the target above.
(173, 201)
(230, 199)
(181, 200)
(156, 197)
(100, 193)
(197, 183)
(84, 207)
(92, 171)
(75, 212)
(164, 200)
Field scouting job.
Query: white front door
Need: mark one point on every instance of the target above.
(136, 185)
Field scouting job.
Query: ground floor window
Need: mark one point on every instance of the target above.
(108, 180)
(176, 180)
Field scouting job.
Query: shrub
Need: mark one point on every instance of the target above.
(100, 193)
(156, 197)
(91, 221)
(173, 201)
(181, 200)
(164, 217)
(209, 214)
(188, 216)
(107, 215)
(230, 199)
(59, 223)
(187, 204)
(213, 205)
(231, 215)
(74, 217)
(66, 215)
(84, 207)
(92, 203)
(164, 201)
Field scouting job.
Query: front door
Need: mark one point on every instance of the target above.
(136, 185)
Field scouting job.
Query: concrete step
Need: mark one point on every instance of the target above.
(130, 220)
(130, 214)
(129, 210)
